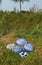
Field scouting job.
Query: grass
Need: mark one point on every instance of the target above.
(20, 25)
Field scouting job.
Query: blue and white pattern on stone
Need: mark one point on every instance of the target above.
(17, 49)
(28, 47)
(21, 42)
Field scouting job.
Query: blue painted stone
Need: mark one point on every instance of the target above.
(28, 47)
(21, 42)
(17, 49)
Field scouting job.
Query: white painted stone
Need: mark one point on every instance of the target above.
(10, 46)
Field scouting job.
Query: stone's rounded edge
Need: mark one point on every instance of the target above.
(10, 46)
(21, 42)
(29, 48)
